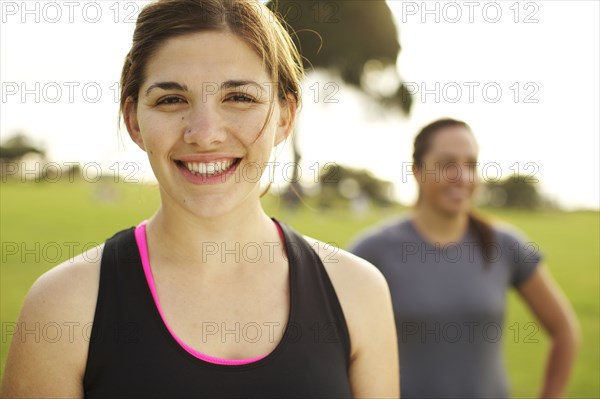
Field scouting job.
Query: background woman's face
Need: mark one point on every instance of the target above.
(448, 177)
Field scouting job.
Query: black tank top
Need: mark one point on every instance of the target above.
(133, 354)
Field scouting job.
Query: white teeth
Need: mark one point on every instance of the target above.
(208, 169)
(458, 193)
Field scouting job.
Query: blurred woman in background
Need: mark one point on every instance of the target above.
(449, 271)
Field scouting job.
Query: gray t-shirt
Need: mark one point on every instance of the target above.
(449, 307)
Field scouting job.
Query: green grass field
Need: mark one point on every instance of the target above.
(38, 221)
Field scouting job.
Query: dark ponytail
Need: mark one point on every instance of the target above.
(485, 235)
(422, 144)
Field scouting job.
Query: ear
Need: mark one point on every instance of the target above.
(131, 122)
(287, 117)
(416, 170)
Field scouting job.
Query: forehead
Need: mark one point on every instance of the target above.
(205, 56)
(455, 141)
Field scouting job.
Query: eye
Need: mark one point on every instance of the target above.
(168, 100)
(240, 98)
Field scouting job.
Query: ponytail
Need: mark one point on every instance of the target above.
(485, 236)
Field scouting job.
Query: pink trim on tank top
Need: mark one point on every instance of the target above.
(140, 237)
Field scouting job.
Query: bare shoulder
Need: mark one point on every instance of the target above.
(69, 289)
(360, 287)
(365, 299)
(348, 271)
(49, 342)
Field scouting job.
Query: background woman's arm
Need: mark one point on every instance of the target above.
(554, 311)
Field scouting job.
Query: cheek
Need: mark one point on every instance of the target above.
(436, 188)
(474, 182)
(156, 133)
(451, 174)
(255, 134)
(430, 185)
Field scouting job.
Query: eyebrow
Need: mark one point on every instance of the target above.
(452, 158)
(230, 84)
(167, 86)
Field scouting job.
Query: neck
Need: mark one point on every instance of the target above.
(439, 226)
(191, 239)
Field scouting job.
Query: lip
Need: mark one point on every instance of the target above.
(206, 158)
(206, 180)
(458, 195)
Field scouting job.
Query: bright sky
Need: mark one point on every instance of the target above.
(524, 75)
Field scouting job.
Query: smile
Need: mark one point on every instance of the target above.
(210, 168)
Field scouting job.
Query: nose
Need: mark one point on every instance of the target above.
(468, 173)
(204, 126)
(459, 173)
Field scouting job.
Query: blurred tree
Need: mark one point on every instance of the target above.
(513, 192)
(342, 184)
(16, 147)
(355, 40)
(13, 151)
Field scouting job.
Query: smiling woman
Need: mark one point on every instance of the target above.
(209, 297)
(191, 131)
(449, 271)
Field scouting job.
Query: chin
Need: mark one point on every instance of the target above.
(456, 209)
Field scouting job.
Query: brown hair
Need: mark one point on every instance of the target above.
(248, 19)
(422, 144)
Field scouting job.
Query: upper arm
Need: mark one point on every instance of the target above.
(49, 344)
(374, 368)
(366, 302)
(524, 255)
(548, 303)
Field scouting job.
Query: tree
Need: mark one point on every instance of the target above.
(513, 192)
(342, 184)
(16, 147)
(12, 152)
(355, 40)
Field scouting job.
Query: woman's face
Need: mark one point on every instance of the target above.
(200, 112)
(448, 178)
